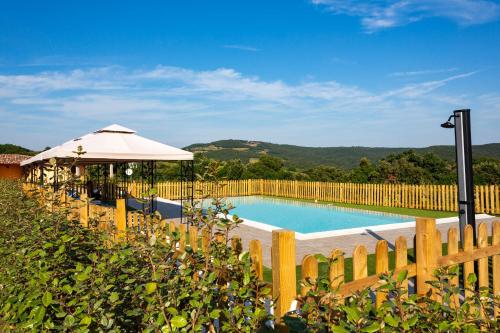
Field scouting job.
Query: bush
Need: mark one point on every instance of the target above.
(321, 311)
(56, 275)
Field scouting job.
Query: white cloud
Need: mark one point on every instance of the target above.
(423, 72)
(241, 47)
(423, 88)
(384, 14)
(184, 105)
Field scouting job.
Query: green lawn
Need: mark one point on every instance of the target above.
(323, 267)
(393, 210)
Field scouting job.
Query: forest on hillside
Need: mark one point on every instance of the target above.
(309, 157)
(408, 167)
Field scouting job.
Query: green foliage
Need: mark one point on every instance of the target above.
(408, 167)
(56, 275)
(311, 157)
(321, 310)
(486, 171)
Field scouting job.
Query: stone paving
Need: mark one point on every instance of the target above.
(345, 243)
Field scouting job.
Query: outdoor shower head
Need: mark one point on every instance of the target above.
(448, 124)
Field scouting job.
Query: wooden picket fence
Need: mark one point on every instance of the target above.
(430, 197)
(428, 254)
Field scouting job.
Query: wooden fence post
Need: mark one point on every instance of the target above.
(336, 270)
(482, 241)
(309, 271)
(193, 238)
(283, 265)
(382, 266)
(438, 243)
(121, 218)
(182, 240)
(205, 241)
(401, 258)
(255, 249)
(359, 263)
(468, 265)
(171, 230)
(482, 264)
(453, 249)
(496, 264)
(425, 252)
(84, 211)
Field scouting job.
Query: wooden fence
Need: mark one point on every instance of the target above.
(431, 197)
(428, 254)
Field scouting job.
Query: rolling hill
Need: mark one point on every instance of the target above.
(302, 157)
(8, 148)
(305, 157)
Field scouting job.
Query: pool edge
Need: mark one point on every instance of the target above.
(353, 231)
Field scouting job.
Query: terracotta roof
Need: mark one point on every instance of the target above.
(12, 158)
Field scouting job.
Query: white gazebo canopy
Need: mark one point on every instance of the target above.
(114, 143)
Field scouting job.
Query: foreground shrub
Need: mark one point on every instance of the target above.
(322, 311)
(58, 276)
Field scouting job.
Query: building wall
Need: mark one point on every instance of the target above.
(10, 171)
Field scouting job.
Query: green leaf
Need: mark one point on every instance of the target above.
(339, 329)
(215, 314)
(352, 313)
(391, 321)
(178, 322)
(402, 275)
(39, 314)
(86, 321)
(114, 297)
(412, 321)
(472, 278)
(150, 287)
(82, 276)
(443, 326)
(47, 298)
(374, 327)
(320, 258)
(172, 311)
(246, 278)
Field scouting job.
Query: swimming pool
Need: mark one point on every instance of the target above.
(308, 217)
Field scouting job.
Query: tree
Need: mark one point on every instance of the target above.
(327, 174)
(365, 173)
(487, 171)
(232, 169)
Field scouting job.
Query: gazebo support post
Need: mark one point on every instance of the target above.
(41, 173)
(186, 176)
(151, 176)
(56, 177)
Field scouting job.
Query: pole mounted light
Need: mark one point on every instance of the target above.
(463, 152)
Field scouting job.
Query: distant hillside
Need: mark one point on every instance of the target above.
(305, 157)
(13, 149)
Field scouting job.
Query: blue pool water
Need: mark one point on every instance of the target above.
(308, 217)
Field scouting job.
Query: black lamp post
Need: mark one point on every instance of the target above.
(463, 151)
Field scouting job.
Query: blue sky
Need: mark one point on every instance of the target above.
(307, 72)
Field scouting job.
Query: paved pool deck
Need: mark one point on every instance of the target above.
(324, 245)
